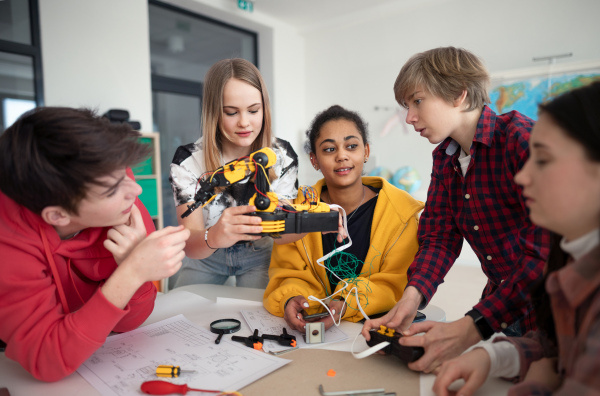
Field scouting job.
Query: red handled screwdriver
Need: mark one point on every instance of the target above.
(167, 388)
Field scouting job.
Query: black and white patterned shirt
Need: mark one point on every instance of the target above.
(188, 166)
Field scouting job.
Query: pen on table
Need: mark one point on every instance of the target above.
(171, 371)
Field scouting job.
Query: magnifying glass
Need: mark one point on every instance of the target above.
(224, 326)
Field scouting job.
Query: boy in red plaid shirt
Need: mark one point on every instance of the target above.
(472, 196)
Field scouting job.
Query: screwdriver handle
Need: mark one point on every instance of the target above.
(168, 371)
(163, 388)
(167, 388)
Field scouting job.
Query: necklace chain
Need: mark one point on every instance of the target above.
(355, 210)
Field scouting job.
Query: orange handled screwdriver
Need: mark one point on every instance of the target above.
(167, 388)
(171, 371)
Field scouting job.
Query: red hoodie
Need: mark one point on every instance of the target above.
(46, 338)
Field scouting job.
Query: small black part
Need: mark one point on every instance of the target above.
(316, 316)
(250, 340)
(284, 339)
(312, 222)
(203, 196)
(261, 158)
(262, 203)
(117, 115)
(190, 209)
(135, 125)
(404, 353)
(419, 318)
(120, 116)
(301, 222)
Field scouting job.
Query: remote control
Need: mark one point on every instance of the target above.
(406, 354)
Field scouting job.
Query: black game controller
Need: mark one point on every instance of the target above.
(406, 354)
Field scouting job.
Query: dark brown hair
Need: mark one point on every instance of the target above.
(335, 112)
(50, 155)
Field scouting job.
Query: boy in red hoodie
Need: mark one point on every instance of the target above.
(78, 251)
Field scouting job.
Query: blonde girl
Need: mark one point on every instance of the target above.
(236, 121)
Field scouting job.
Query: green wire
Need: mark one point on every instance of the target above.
(345, 268)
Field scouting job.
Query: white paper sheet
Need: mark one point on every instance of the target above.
(266, 323)
(127, 360)
(237, 302)
(177, 302)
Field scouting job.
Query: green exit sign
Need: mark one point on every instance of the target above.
(246, 5)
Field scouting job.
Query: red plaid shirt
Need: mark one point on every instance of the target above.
(486, 208)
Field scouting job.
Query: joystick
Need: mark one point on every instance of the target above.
(406, 354)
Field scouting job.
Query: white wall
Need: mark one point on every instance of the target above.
(356, 64)
(96, 54)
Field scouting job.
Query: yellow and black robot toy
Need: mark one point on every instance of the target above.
(278, 217)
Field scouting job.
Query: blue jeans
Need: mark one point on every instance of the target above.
(248, 262)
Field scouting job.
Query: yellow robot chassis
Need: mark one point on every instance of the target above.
(279, 217)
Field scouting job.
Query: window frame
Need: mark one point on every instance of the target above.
(183, 86)
(33, 50)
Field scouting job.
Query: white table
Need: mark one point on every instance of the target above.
(432, 312)
(493, 387)
(20, 383)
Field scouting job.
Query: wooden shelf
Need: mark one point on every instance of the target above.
(147, 174)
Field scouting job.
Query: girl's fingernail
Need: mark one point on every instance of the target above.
(333, 311)
(305, 305)
(298, 316)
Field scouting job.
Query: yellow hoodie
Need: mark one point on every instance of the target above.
(294, 270)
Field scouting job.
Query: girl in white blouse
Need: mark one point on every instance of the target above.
(236, 121)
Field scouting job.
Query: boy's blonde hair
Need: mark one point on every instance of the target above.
(212, 107)
(445, 72)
